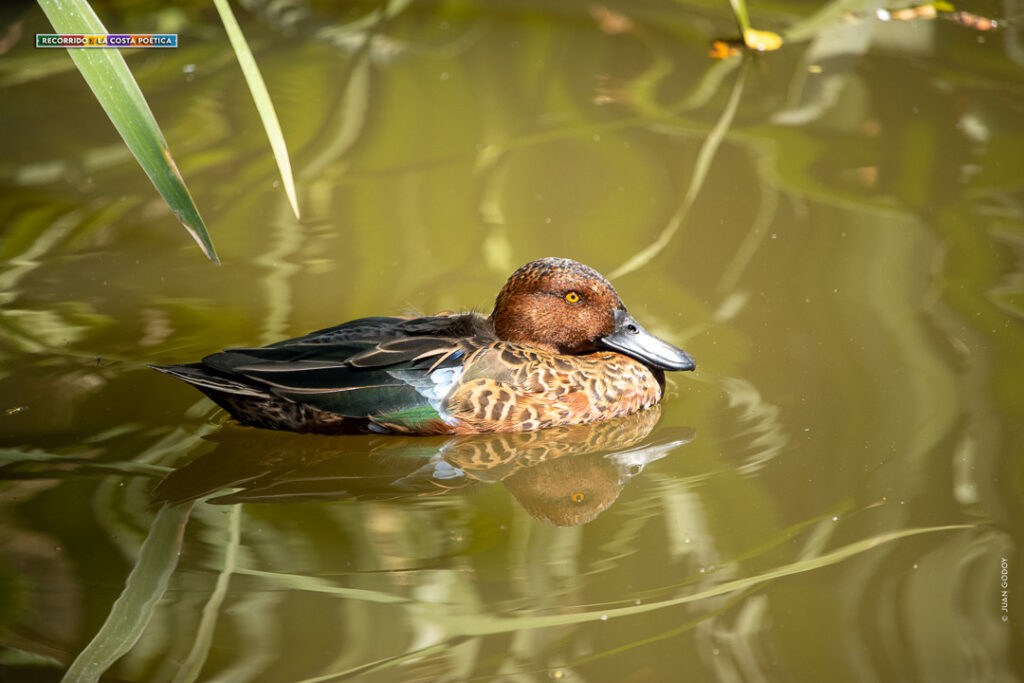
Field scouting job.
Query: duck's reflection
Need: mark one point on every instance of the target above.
(565, 475)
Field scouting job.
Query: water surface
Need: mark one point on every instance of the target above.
(835, 231)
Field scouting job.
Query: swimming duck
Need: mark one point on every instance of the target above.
(559, 348)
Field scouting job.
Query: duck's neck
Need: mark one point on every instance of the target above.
(515, 335)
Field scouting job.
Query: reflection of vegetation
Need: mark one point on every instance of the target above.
(852, 259)
(197, 656)
(703, 163)
(157, 559)
(481, 624)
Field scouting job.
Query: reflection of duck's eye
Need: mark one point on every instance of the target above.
(577, 497)
(572, 297)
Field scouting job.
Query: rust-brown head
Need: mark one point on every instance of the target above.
(564, 306)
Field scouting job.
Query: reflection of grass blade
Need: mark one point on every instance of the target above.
(766, 213)
(145, 586)
(826, 16)
(16, 457)
(116, 90)
(700, 173)
(261, 97)
(484, 624)
(193, 665)
(389, 662)
(316, 585)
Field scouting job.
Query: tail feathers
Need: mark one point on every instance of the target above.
(209, 380)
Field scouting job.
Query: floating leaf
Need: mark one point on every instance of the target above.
(610, 22)
(975, 21)
(723, 49)
(762, 41)
(910, 13)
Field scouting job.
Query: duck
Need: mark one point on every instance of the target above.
(559, 348)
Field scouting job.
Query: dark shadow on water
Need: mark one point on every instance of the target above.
(564, 475)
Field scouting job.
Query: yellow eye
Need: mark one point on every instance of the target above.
(572, 297)
(577, 497)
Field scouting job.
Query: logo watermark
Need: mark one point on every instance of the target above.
(109, 40)
(1004, 585)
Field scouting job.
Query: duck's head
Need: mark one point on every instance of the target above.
(564, 306)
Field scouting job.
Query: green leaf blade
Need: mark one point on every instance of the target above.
(114, 87)
(261, 97)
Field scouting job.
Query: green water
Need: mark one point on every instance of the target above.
(835, 232)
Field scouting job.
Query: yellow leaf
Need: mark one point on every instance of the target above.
(723, 50)
(763, 41)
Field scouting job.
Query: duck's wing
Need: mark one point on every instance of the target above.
(390, 371)
(397, 382)
(381, 329)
